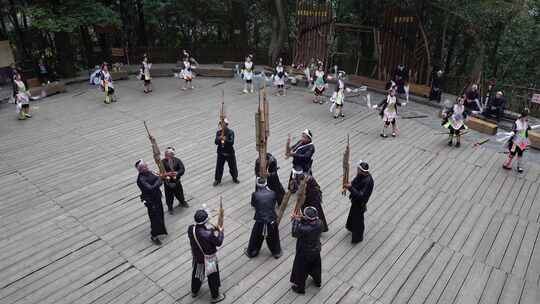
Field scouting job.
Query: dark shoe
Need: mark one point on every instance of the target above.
(357, 241)
(217, 183)
(246, 253)
(194, 294)
(219, 298)
(171, 212)
(277, 255)
(394, 134)
(506, 167)
(184, 205)
(342, 115)
(458, 144)
(384, 135)
(450, 143)
(236, 181)
(156, 241)
(318, 284)
(298, 289)
(335, 116)
(519, 169)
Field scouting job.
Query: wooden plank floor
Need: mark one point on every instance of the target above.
(444, 225)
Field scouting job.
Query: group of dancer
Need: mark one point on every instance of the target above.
(308, 222)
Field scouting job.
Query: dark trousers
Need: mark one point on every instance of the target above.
(231, 162)
(157, 220)
(172, 192)
(497, 112)
(304, 265)
(213, 283)
(358, 234)
(257, 237)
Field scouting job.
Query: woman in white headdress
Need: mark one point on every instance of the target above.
(247, 74)
(144, 74)
(187, 70)
(389, 112)
(279, 78)
(455, 121)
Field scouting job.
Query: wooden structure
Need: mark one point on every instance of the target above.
(402, 40)
(75, 231)
(315, 24)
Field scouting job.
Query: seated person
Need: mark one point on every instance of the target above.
(472, 99)
(496, 106)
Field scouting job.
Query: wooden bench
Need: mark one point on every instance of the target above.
(369, 82)
(231, 64)
(534, 139)
(214, 72)
(420, 90)
(481, 125)
(119, 75)
(48, 89)
(33, 82)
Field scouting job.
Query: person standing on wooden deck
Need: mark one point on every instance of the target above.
(150, 184)
(225, 153)
(360, 190)
(279, 78)
(389, 112)
(247, 74)
(319, 84)
(273, 181)
(307, 260)
(519, 141)
(314, 199)
(204, 240)
(187, 70)
(302, 153)
(144, 74)
(173, 185)
(22, 98)
(264, 201)
(455, 121)
(106, 84)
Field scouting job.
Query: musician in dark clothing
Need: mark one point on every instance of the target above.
(272, 180)
(401, 77)
(314, 199)
(302, 153)
(436, 86)
(225, 153)
(204, 241)
(150, 184)
(307, 260)
(360, 190)
(173, 186)
(264, 201)
(496, 106)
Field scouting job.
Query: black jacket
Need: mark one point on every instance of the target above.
(361, 189)
(208, 240)
(177, 166)
(308, 234)
(227, 147)
(150, 184)
(271, 162)
(498, 102)
(303, 157)
(264, 200)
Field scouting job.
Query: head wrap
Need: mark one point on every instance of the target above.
(261, 182)
(363, 166)
(139, 163)
(310, 213)
(201, 217)
(170, 150)
(308, 133)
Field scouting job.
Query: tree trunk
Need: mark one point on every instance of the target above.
(64, 50)
(279, 25)
(87, 43)
(478, 64)
(143, 40)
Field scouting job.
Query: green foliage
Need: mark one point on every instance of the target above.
(69, 15)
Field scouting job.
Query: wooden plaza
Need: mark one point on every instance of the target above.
(444, 225)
